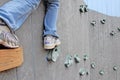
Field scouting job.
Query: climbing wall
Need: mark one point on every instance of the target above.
(92, 44)
(104, 39)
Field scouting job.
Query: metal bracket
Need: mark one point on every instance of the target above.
(68, 61)
(53, 54)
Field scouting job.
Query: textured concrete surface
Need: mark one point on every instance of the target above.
(78, 36)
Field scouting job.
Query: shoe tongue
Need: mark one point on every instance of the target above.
(4, 28)
(2, 22)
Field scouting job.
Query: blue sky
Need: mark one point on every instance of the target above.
(109, 7)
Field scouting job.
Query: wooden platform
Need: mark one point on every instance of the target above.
(10, 58)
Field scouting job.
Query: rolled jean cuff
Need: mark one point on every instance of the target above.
(53, 33)
(8, 23)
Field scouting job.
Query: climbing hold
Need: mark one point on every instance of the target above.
(93, 23)
(101, 72)
(85, 8)
(81, 9)
(82, 72)
(115, 68)
(49, 55)
(76, 58)
(93, 65)
(87, 73)
(53, 54)
(85, 57)
(112, 33)
(103, 21)
(68, 61)
(118, 29)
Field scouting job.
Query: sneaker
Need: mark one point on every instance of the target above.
(7, 37)
(50, 42)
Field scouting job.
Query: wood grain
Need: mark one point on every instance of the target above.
(10, 58)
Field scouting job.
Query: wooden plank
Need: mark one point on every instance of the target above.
(10, 58)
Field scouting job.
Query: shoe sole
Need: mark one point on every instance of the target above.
(7, 45)
(51, 47)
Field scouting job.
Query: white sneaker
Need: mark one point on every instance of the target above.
(50, 42)
(7, 39)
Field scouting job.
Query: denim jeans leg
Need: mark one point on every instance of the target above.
(15, 12)
(51, 18)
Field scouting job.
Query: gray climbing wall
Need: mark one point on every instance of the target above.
(104, 48)
(78, 36)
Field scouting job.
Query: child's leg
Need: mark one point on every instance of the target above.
(12, 16)
(51, 18)
(50, 36)
(15, 12)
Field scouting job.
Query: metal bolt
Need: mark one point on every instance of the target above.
(93, 23)
(101, 72)
(85, 57)
(93, 65)
(76, 58)
(115, 68)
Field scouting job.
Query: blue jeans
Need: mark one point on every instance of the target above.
(15, 12)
